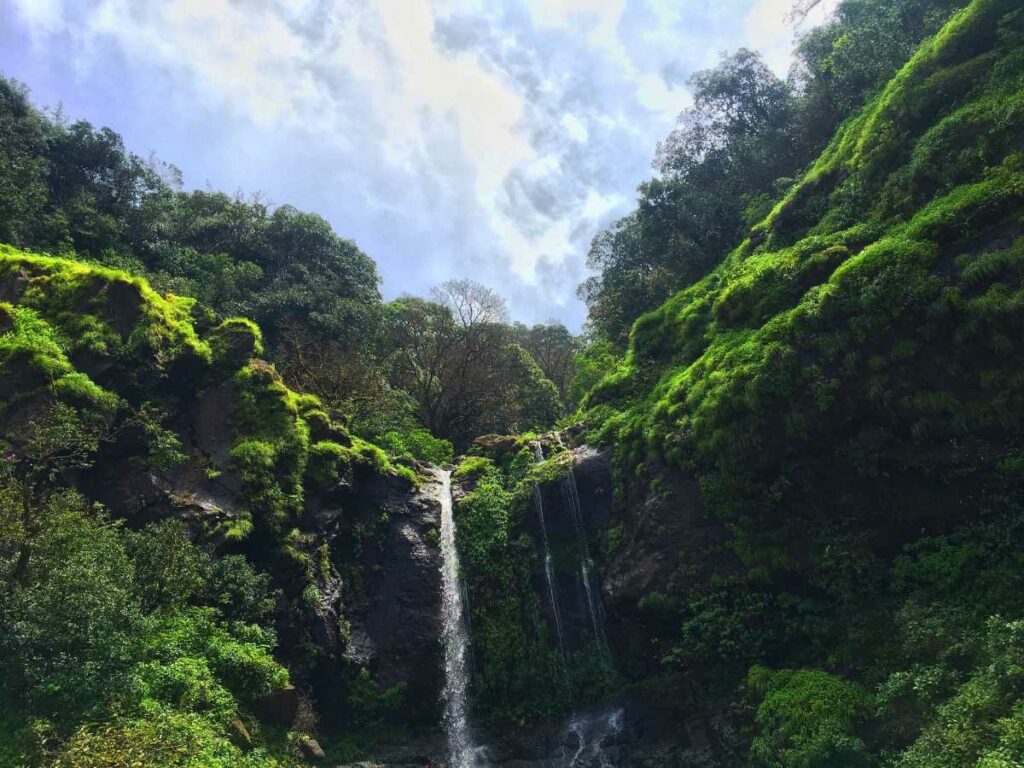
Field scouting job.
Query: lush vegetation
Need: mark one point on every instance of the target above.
(122, 646)
(748, 136)
(524, 676)
(127, 640)
(814, 315)
(407, 373)
(846, 388)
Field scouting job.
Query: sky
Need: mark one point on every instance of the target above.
(448, 138)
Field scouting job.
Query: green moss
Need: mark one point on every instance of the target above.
(33, 359)
(104, 311)
(308, 405)
(473, 466)
(371, 455)
(849, 377)
(550, 470)
(846, 312)
(328, 464)
(234, 342)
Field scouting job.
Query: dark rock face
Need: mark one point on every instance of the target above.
(205, 424)
(642, 544)
(664, 541)
(278, 707)
(572, 535)
(383, 612)
(310, 749)
(630, 733)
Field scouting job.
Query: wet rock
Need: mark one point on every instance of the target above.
(496, 445)
(309, 748)
(6, 320)
(124, 306)
(662, 543)
(14, 285)
(278, 707)
(239, 734)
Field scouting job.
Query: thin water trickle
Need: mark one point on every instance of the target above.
(549, 568)
(455, 637)
(571, 497)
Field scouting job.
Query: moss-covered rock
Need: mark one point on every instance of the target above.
(235, 342)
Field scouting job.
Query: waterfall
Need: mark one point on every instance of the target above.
(549, 570)
(571, 497)
(455, 637)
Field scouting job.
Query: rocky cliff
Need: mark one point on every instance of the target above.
(148, 407)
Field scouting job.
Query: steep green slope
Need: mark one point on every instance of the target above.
(848, 391)
(883, 292)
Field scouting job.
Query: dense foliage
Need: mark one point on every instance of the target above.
(153, 642)
(813, 317)
(111, 627)
(407, 373)
(739, 147)
(846, 388)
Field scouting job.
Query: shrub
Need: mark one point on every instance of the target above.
(808, 719)
(72, 629)
(169, 568)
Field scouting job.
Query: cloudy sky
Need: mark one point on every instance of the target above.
(449, 138)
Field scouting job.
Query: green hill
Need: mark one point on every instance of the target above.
(847, 388)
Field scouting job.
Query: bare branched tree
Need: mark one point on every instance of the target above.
(471, 303)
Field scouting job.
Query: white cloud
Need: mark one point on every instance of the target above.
(452, 136)
(769, 29)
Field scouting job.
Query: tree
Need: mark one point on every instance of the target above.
(169, 568)
(728, 148)
(554, 349)
(463, 368)
(471, 303)
(70, 628)
(23, 166)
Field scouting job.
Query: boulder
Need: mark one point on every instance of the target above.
(309, 748)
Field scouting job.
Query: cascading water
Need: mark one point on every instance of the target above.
(549, 569)
(592, 735)
(571, 497)
(455, 637)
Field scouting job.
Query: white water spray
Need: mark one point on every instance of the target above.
(455, 637)
(592, 735)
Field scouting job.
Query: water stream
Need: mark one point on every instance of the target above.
(549, 568)
(455, 638)
(571, 497)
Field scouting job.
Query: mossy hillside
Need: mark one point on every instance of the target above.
(883, 291)
(67, 319)
(94, 345)
(848, 390)
(103, 311)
